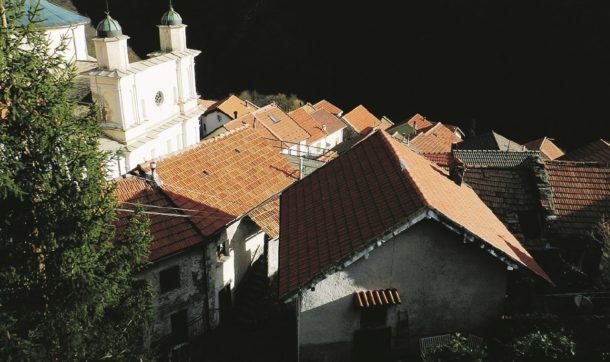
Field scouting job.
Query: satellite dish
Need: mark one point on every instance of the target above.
(583, 301)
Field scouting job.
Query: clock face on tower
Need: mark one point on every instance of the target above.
(159, 98)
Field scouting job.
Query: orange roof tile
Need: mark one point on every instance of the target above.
(233, 104)
(224, 177)
(364, 121)
(548, 149)
(306, 121)
(206, 103)
(324, 104)
(437, 139)
(318, 124)
(596, 151)
(277, 123)
(369, 190)
(267, 217)
(377, 298)
(420, 123)
(170, 233)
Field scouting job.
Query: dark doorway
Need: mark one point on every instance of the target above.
(180, 332)
(372, 344)
(225, 304)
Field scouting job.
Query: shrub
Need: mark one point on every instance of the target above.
(459, 350)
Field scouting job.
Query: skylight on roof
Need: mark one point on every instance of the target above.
(273, 118)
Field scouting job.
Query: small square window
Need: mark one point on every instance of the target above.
(169, 279)
(373, 317)
(273, 118)
(180, 332)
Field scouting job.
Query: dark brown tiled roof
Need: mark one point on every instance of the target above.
(170, 233)
(548, 149)
(377, 298)
(364, 121)
(581, 195)
(374, 187)
(507, 192)
(225, 177)
(490, 141)
(493, 158)
(596, 151)
(324, 104)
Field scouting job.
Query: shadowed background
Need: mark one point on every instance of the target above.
(523, 68)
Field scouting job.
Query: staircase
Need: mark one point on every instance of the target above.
(252, 298)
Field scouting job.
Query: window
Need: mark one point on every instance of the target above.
(273, 118)
(159, 98)
(180, 332)
(373, 317)
(529, 223)
(169, 279)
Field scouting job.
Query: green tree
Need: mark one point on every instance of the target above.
(67, 289)
(285, 102)
(542, 346)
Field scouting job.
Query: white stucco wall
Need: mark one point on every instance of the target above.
(245, 243)
(190, 295)
(445, 286)
(76, 42)
(214, 120)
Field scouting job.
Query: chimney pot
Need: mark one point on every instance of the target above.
(456, 173)
(235, 115)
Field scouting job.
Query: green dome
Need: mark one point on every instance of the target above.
(108, 28)
(171, 18)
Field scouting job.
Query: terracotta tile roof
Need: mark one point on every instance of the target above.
(371, 189)
(232, 104)
(581, 195)
(277, 123)
(377, 298)
(444, 159)
(170, 234)
(326, 119)
(306, 121)
(490, 141)
(548, 149)
(267, 216)
(437, 139)
(596, 151)
(493, 158)
(420, 123)
(507, 192)
(206, 103)
(364, 121)
(324, 104)
(224, 177)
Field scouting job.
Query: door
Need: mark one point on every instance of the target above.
(372, 344)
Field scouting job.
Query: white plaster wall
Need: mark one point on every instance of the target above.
(214, 120)
(445, 286)
(165, 142)
(245, 243)
(76, 43)
(190, 295)
(273, 254)
(334, 139)
(158, 78)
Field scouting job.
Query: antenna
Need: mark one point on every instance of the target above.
(171, 6)
(107, 8)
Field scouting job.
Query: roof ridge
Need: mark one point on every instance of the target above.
(578, 163)
(404, 168)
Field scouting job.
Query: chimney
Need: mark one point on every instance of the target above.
(456, 173)
(414, 128)
(155, 179)
(323, 128)
(235, 115)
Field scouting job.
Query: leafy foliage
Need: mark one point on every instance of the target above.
(458, 349)
(544, 346)
(286, 102)
(67, 290)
